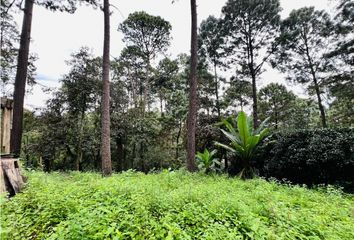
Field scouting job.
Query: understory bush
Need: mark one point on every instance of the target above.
(172, 205)
(319, 156)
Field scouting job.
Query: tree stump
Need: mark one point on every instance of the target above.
(11, 179)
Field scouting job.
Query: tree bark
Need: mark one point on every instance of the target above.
(161, 105)
(255, 103)
(105, 117)
(79, 142)
(20, 80)
(192, 113)
(254, 86)
(253, 73)
(317, 88)
(216, 90)
(177, 138)
(120, 153)
(320, 105)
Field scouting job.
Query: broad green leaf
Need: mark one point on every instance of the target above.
(225, 146)
(229, 127)
(213, 152)
(243, 127)
(263, 133)
(229, 135)
(262, 126)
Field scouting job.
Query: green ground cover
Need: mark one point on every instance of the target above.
(172, 205)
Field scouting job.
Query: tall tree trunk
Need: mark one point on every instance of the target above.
(192, 113)
(120, 153)
(177, 138)
(253, 73)
(161, 105)
(216, 90)
(133, 89)
(20, 80)
(317, 88)
(254, 96)
(147, 87)
(319, 100)
(79, 142)
(105, 118)
(141, 156)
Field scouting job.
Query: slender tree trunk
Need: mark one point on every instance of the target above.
(253, 76)
(79, 142)
(141, 154)
(254, 96)
(20, 80)
(133, 89)
(147, 88)
(120, 153)
(319, 100)
(192, 113)
(105, 118)
(317, 88)
(216, 90)
(177, 138)
(134, 156)
(161, 105)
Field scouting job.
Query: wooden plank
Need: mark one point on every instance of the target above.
(6, 118)
(2, 181)
(11, 175)
(11, 178)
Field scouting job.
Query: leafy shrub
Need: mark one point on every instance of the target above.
(207, 162)
(310, 156)
(172, 205)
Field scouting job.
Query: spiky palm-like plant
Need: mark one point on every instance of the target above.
(243, 141)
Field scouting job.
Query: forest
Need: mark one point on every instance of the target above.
(142, 145)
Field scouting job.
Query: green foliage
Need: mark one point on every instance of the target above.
(206, 161)
(244, 142)
(10, 38)
(304, 37)
(211, 40)
(151, 34)
(172, 205)
(341, 112)
(303, 114)
(276, 102)
(344, 41)
(310, 156)
(238, 93)
(250, 27)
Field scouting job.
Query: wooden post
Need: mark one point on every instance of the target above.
(6, 121)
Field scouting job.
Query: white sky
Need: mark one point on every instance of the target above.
(56, 35)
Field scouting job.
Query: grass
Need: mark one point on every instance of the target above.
(172, 205)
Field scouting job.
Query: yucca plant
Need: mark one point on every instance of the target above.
(206, 161)
(244, 140)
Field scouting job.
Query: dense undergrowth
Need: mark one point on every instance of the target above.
(172, 205)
